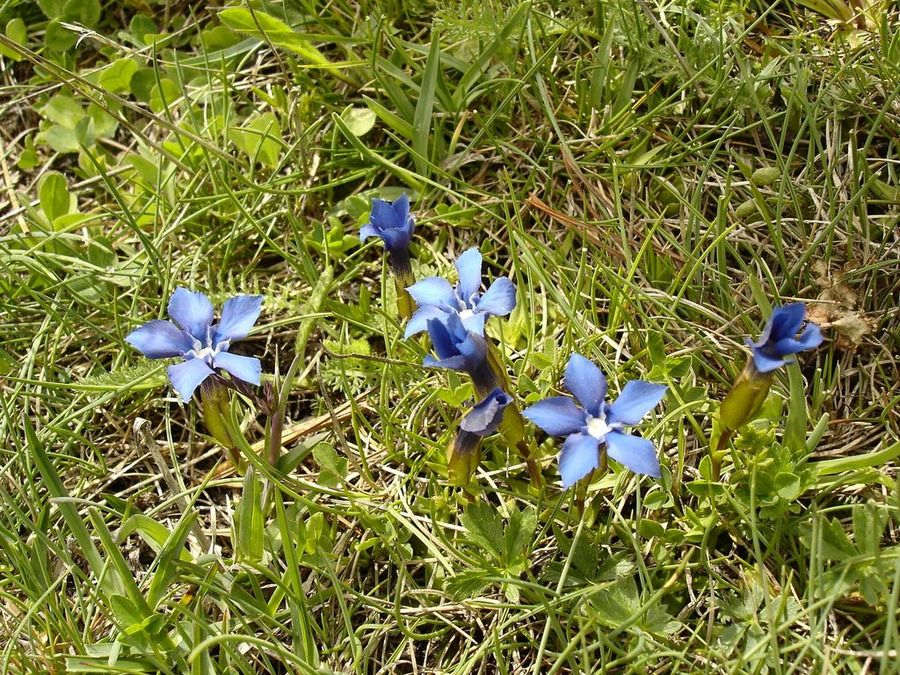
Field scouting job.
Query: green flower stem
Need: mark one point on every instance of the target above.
(403, 278)
(463, 457)
(215, 406)
(581, 486)
(739, 407)
(512, 428)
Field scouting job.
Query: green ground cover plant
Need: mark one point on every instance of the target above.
(649, 185)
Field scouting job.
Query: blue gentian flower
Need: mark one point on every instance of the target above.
(485, 417)
(437, 298)
(462, 350)
(202, 344)
(392, 222)
(596, 421)
(483, 420)
(779, 338)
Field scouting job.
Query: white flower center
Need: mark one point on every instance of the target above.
(204, 353)
(207, 353)
(597, 427)
(465, 314)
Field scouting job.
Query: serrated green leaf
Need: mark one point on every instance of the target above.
(788, 486)
(332, 467)
(140, 377)
(869, 521)
(484, 526)
(835, 544)
(518, 536)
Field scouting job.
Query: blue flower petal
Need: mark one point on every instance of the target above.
(432, 291)
(401, 211)
(441, 339)
(455, 327)
(635, 401)
(159, 340)
(786, 321)
(418, 322)
(637, 453)
(246, 368)
(383, 216)
(810, 338)
(473, 347)
(187, 376)
(499, 299)
(475, 323)
(368, 230)
(558, 415)
(395, 238)
(587, 382)
(192, 311)
(487, 414)
(577, 458)
(238, 316)
(763, 338)
(468, 265)
(457, 362)
(765, 363)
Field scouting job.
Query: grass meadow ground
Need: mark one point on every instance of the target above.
(653, 176)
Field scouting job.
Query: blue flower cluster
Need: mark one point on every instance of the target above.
(454, 316)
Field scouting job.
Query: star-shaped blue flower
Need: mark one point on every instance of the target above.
(391, 221)
(596, 421)
(437, 298)
(779, 338)
(202, 344)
